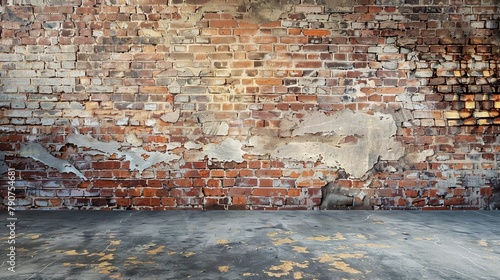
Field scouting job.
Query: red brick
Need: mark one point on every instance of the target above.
(273, 173)
(146, 201)
(316, 32)
(222, 23)
(122, 201)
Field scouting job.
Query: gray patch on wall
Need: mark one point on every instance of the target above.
(39, 153)
(3, 166)
(349, 140)
(495, 199)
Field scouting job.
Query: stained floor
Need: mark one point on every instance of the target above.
(254, 245)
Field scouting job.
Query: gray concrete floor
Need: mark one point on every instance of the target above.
(254, 245)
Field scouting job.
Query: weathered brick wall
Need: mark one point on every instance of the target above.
(250, 104)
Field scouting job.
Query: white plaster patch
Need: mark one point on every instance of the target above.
(132, 139)
(39, 153)
(348, 140)
(171, 117)
(419, 156)
(228, 150)
(139, 158)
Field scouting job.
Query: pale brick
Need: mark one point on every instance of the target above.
(12, 97)
(47, 105)
(10, 57)
(33, 121)
(66, 57)
(15, 81)
(48, 121)
(424, 73)
(17, 121)
(92, 89)
(21, 73)
(17, 113)
(391, 49)
(150, 106)
(76, 113)
(18, 105)
(27, 89)
(53, 81)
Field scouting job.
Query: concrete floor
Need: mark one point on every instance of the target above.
(254, 245)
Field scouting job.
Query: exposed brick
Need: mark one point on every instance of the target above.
(62, 75)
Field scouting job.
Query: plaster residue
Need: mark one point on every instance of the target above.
(228, 150)
(39, 153)
(419, 156)
(139, 158)
(334, 140)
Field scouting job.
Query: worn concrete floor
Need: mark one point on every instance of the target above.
(254, 245)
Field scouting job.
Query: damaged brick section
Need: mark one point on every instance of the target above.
(250, 104)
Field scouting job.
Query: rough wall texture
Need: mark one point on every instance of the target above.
(251, 104)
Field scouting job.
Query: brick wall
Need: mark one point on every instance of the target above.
(239, 104)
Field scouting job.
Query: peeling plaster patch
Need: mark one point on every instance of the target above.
(192, 145)
(97, 147)
(216, 128)
(419, 156)
(133, 140)
(139, 158)
(171, 117)
(334, 139)
(228, 150)
(39, 153)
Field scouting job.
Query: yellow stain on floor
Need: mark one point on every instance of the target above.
(337, 262)
(106, 268)
(223, 268)
(482, 243)
(222, 241)
(300, 249)
(424, 238)
(115, 242)
(97, 254)
(34, 236)
(75, 264)
(188, 254)
(116, 276)
(338, 236)
(373, 245)
(361, 236)
(156, 251)
(74, 252)
(133, 261)
(248, 274)
(283, 241)
(272, 234)
(350, 255)
(344, 267)
(108, 257)
(297, 275)
(285, 268)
